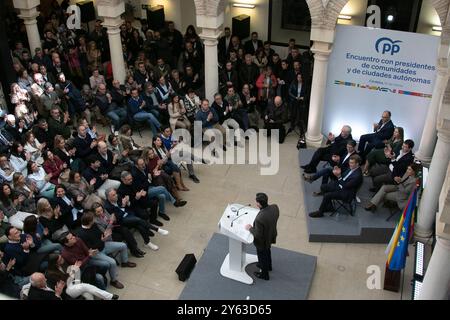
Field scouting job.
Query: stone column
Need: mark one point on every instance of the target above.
(28, 12)
(321, 52)
(211, 30)
(210, 41)
(429, 203)
(428, 140)
(437, 277)
(111, 12)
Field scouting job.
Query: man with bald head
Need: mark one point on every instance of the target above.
(40, 291)
(382, 131)
(335, 145)
(276, 117)
(107, 159)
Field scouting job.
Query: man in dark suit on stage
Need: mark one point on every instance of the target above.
(345, 188)
(264, 230)
(382, 130)
(335, 145)
(393, 171)
(253, 44)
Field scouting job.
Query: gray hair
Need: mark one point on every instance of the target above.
(349, 129)
(124, 174)
(108, 191)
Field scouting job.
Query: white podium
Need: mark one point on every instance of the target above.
(232, 224)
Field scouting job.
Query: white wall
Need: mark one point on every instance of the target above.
(172, 9)
(188, 17)
(356, 9)
(258, 16)
(283, 35)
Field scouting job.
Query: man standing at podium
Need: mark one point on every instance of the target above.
(264, 231)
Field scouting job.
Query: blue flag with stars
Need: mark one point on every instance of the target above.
(398, 246)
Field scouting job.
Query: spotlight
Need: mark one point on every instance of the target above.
(390, 18)
(417, 287)
(419, 261)
(244, 5)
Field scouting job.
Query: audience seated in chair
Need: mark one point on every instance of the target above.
(395, 169)
(334, 145)
(398, 192)
(382, 131)
(344, 188)
(342, 161)
(377, 155)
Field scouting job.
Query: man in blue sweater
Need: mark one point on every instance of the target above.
(136, 106)
(210, 120)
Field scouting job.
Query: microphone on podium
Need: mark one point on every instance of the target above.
(237, 210)
(237, 218)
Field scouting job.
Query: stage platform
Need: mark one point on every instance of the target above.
(290, 279)
(363, 227)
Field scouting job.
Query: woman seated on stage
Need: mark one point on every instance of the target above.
(377, 156)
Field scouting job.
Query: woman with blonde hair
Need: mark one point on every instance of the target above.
(28, 191)
(50, 218)
(94, 57)
(34, 147)
(177, 113)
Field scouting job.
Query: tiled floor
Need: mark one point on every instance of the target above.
(341, 269)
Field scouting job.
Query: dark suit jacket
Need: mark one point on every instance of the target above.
(293, 88)
(402, 164)
(106, 165)
(40, 294)
(339, 145)
(90, 173)
(264, 228)
(248, 47)
(248, 74)
(83, 146)
(131, 190)
(66, 214)
(344, 164)
(350, 186)
(118, 212)
(386, 132)
(140, 179)
(224, 78)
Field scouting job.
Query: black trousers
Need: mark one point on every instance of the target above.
(321, 154)
(331, 191)
(264, 260)
(297, 116)
(141, 225)
(276, 126)
(367, 142)
(122, 233)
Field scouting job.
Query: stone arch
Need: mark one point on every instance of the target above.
(334, 7)
(209, 7)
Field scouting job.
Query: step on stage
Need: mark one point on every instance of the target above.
(290, 279)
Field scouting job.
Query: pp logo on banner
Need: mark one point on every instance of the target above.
(387, 45)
